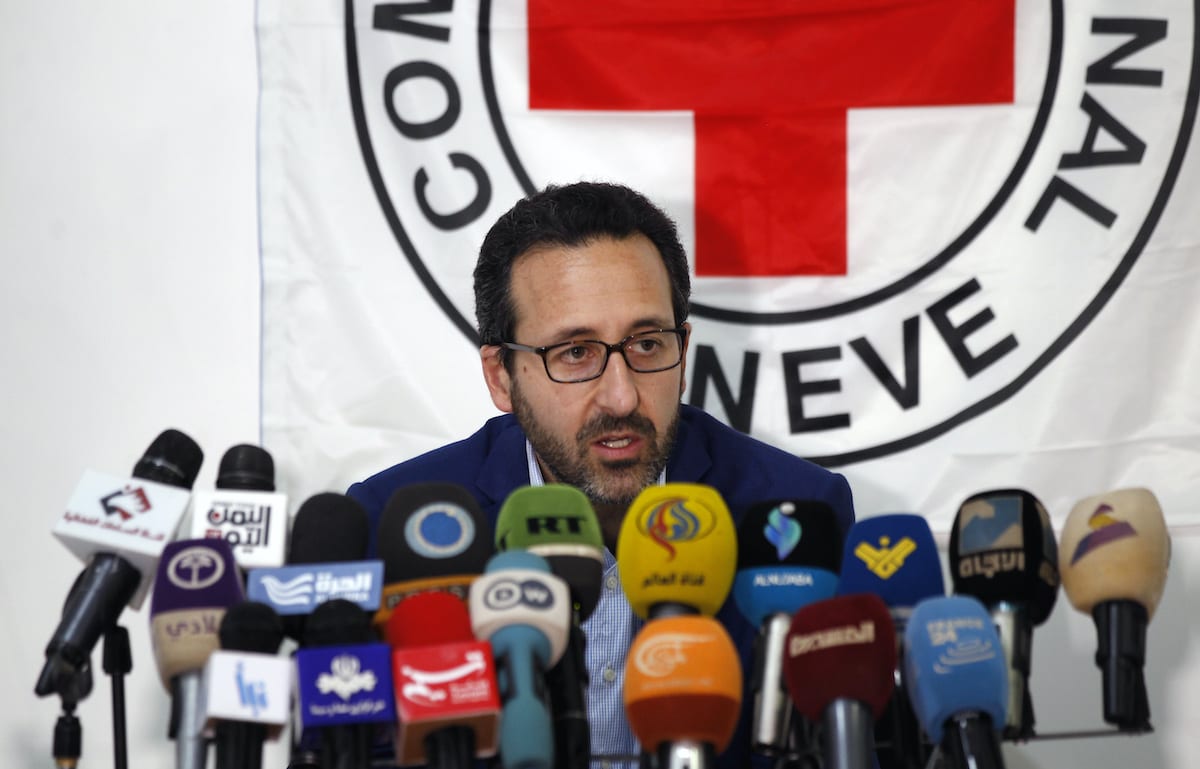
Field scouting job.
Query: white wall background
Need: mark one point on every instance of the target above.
(130, 303)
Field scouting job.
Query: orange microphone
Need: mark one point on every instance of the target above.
(683, 690)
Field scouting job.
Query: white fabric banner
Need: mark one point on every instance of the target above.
(939, 249)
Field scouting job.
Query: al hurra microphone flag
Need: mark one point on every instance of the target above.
(936, 246)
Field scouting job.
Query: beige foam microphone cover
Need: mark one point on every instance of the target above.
(1115, 546)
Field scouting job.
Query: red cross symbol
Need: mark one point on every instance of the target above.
(769, 83)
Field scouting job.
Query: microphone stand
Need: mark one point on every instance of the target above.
(118, 661)
(73, 684)
(566, 682)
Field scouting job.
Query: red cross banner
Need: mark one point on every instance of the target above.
(938, 246)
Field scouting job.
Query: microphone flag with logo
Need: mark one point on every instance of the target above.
(250, 635)
(1114, 558)
(677, 550)
(325, 562)
(1003, 552)
(244, 509)
(344, 684)
(789, 555)
(118, 526)
(431, 536)
(447, 698)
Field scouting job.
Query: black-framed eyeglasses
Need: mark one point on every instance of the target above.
(581, 360)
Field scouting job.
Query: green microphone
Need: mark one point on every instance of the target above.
(558, 523)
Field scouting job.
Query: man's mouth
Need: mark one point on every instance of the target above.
(616, 443)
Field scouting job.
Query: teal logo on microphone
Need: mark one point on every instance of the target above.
(782, 531)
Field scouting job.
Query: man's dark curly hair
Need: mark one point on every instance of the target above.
(569, 216)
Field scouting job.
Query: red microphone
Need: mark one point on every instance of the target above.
(839, 666)
(447, 701)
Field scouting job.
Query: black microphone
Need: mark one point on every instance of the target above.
(119, 527)
(340, 623)
(789, 556)
(328, 528)
(325, 555)
(1003, 552)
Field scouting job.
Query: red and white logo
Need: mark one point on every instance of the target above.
(899, 215)
(444, 679)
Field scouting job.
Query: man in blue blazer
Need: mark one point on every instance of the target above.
(582, 295)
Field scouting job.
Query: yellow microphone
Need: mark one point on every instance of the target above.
(677, 551)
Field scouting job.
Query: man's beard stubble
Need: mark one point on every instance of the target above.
(570, 464)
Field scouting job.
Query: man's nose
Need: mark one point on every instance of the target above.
(617, 387)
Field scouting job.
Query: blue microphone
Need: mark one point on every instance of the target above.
(894, 557)
(524, 611)
(957, 679)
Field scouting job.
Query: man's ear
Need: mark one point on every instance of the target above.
(499, 383)
(683, 360)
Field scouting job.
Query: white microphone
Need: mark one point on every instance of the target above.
(118, 526)
(246, 686)
(245, 510)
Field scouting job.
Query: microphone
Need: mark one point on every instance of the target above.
(789, 556)
(245, 509)
(246, 685)
(431, 536)
(344, 679)
(524, 612)
(558, 523)
(676, 554)
(118, 527)
(329, 539)
(676, 551)
(894, 556)
(1114, 558)
(957, 680)
(683, 690)
(1003, 552)
(196, 583)
(839, 667)
(447, 698)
